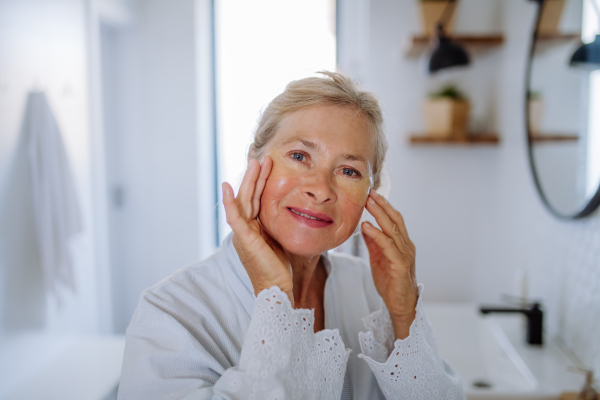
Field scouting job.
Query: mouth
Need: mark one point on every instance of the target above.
(310, 216)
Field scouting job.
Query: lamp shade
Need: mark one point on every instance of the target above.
(447, 54)
(587, 56)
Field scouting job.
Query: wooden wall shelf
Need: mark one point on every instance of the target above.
(554, 137)
(475, 138)
(559, 36)
(418, 43)
(548, 40)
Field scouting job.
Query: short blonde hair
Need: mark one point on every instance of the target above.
(332, 89)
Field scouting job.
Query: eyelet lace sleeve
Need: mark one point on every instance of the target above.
(282, 357)
(410, 368)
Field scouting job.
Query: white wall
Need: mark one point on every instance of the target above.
(473, 212)
(42, 45)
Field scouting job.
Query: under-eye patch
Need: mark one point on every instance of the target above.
(355, 187)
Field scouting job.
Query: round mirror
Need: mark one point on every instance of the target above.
(563, 106)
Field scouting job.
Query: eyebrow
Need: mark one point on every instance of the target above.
(306, 143)
(353, 157)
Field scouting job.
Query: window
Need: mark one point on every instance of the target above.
(261, 45)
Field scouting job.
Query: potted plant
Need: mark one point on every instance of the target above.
(447, 113)
(431, 13)
(536, 110)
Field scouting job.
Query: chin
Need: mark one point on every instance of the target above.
(303, 246)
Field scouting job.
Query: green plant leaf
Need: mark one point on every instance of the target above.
(448, 92)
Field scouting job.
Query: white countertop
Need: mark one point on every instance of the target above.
(85, 367)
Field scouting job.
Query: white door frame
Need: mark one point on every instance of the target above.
(120, 14)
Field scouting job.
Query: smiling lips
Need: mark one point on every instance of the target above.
(312, 219)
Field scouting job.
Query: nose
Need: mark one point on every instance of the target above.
(319, 186)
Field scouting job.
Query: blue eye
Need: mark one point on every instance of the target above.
(298, 156)
(349, 172)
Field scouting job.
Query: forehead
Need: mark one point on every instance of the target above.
(336, 129)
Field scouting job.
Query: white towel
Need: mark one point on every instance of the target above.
(56, 212)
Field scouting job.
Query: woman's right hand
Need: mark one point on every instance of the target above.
(264, 259)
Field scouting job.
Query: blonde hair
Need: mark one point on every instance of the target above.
(332, 89)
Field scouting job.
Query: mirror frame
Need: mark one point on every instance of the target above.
(594, 202)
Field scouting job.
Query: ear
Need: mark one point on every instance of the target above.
(251, 154)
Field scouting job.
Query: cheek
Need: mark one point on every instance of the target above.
(275, 190)
(351, 214)
(356, 192)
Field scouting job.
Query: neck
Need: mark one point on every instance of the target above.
(307, 276)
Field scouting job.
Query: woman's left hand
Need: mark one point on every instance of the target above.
(392, 256)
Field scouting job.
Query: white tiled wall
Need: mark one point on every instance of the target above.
(565, 273)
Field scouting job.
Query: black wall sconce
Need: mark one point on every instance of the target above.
(447, 54)
(587, 56)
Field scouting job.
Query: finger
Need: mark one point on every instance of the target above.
(265, 170)
(407, 265)
(387, 244)
(388, 226)
(247, 188)
(395, 216)
(232, 212)
(375, 253)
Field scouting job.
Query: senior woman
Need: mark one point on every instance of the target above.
(272, 314)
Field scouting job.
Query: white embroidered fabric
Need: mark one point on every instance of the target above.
(410, 368)
(282, 357)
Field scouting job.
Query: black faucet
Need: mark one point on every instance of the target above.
(535, 320)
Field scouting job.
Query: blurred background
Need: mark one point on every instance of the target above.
(125, 116)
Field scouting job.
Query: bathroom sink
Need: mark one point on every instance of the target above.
(493, 359)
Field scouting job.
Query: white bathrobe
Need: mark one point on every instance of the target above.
(202, 334)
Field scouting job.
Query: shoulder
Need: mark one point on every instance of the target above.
(192, 291)
(186, 322)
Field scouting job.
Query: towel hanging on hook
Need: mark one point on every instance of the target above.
(56, 210)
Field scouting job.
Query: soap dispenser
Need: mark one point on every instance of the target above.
(587, 392)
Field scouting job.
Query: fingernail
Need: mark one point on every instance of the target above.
(371, 201)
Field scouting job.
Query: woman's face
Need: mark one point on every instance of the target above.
(316, 192)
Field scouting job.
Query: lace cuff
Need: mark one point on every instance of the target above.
(281, 355)
(408, 368)
(378, 342)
